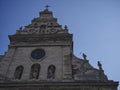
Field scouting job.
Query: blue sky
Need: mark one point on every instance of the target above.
(95, 25)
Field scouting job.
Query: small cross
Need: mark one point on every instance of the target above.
(47, 6)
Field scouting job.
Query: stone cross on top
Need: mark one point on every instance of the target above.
(47, 6)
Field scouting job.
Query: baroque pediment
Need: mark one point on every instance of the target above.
(46, 23)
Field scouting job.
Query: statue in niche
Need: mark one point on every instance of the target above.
(18, 72)
(84, 56)
(51, 72)
(35, 71)
(100, 65)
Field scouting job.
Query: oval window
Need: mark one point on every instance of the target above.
(38, 54)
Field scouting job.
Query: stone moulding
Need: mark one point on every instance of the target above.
(77, 85)
(39, 38)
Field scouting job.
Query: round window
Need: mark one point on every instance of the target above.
(38, 54)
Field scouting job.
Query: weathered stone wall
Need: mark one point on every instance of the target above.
(6, 61)
(54, 55)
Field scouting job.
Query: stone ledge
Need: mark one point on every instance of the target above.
(56, 83)
(73, 85)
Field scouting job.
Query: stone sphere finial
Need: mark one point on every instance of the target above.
(65, 27)
(20, 28)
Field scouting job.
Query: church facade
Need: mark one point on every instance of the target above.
(40, 57)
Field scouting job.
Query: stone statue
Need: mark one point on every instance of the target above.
(100, 65)
(51, 72)
(18, 72)
(35, 72)
(84, 56)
